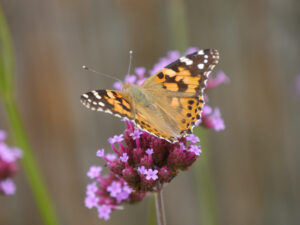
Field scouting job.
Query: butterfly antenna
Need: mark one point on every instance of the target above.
(130, 61)
(100, 73)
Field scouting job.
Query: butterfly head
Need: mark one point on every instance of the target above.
(126, 86)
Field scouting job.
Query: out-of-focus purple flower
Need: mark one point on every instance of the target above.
(116, 139)
(298, 84)
(130, 79)
(100, 152)
(192, 138)
(149, 151)
(140, 71)
(136, 134)
(142, 169)
(91, 201)
(124, 157)
(8, 165)
(111, 156)
(108, 193)
(2, 135)
(118, 85)
(220, 78)
(195, 149)
(8, 187)
(212, 118)
(114, 188)
(143, 163)
(91, 189)
(191, 50)
(94, 171)
(151, 174)
(164, 61)
(104, 212)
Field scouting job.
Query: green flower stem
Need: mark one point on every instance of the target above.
(204, 181)
(30, 166)
(202, 168)
(160, 209)
(152, 214)
(178, 24)
(28, 161)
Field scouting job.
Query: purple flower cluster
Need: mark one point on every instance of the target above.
(8, 165)
(106, 193)
(142, 163)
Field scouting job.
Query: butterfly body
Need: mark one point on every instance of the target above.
(167, 104)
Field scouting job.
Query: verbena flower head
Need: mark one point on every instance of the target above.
(8, 165)
(142, 163)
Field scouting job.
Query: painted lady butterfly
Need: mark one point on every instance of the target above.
(168, 103)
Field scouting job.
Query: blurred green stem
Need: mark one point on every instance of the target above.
(206, 190)
(152, 214)
(28, 161)
(160, 209)
(202, 168)
(30, 166)
(178, 24)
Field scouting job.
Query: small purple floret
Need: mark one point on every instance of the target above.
(94, 171)
(100, 153)
(104, 212)
(124, 157)
(196, 149)
(114, 188)
(151, 174)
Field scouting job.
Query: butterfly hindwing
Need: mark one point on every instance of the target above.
(109, 101)
(178, 88)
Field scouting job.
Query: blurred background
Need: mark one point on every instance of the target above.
(252, 168)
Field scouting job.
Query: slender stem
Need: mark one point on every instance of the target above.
(178, 24)
(152, 213)
(205, 183)
(30, 166)
(160, 209)
(29, 163)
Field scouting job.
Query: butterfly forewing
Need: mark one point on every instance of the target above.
(186, 75)
(109, 101)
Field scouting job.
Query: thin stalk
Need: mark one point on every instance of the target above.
(30, 166)
(160, 209)
(204, 180)
(202, 168)
(152, 214)
(178, 24)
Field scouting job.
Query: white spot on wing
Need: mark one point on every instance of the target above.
(200, 66)
(201, 52)
(186, 60)
(85, 96)
(108, 111)
(95, 93)
(101, 103)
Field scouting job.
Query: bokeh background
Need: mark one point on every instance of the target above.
(251, 173)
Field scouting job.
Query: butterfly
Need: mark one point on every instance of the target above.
(167, 104)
